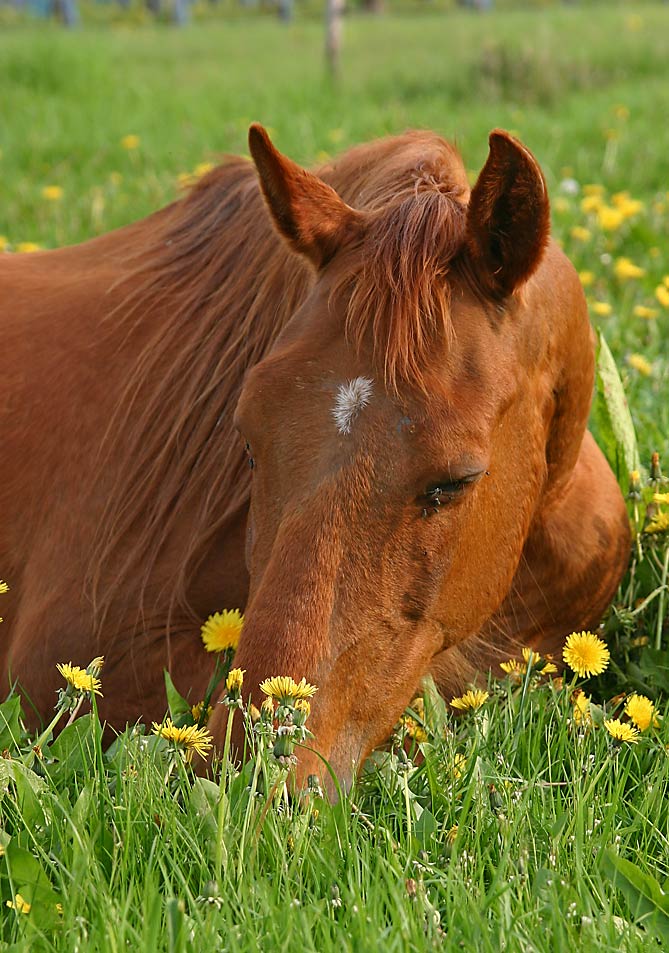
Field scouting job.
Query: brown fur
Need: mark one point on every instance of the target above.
(123, 476)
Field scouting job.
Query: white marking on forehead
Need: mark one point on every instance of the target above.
(350, 400)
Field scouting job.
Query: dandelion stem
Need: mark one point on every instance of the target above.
(221, 852)
(663, 594)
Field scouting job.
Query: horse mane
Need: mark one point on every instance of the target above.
(216, 284)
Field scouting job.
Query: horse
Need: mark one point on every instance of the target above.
(352, 401)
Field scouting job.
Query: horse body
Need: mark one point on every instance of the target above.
(414, 387)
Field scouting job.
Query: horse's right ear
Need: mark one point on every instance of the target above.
(508, 220)
(307, 212)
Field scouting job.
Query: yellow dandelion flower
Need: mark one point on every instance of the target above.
(3, 586)
(620, 732)
(659, 524)
(581, 234)
(286, 690)
(222, 630)
(627, 205)
(470, 701)
(514, 669)
(79, 679)
(587, 278)
(591, 203)
(621, 112)
(641, 311)
(640, 364)
(585, 654)
(198, 712)
(235, 680)
(25, 248)
(662, 295)
(459, 764)
(19, 904)
(190, 738)
(185, 179)
(130, 142)
(452, 834)
(610, 218)
(4, 243)
(593, 188)
(641, 711)
(626, 269)
(413, 729)
(601, 308)
(657, 498)
(52, 193)
(581, 710)
(202, 168)
(303, 706)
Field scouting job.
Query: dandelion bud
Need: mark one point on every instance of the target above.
(634, 492)
(655, 469)
(267, 711)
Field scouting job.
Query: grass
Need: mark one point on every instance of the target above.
(127, 841)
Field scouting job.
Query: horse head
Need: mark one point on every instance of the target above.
(429, 393)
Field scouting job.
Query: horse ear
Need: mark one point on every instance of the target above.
(307, 212)
(508, 220)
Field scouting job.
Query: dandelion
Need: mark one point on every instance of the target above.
(657, 498)
(641, 311)
(640, 364)
(19, 904)
(620, 732)
(451, 835)
(609, 218)
(627, 205)
(202, 168)
(659, 524)
(25, 248)
(591, 203)
(581, 710)
(602, 308)
(200, 714)
(581, 234)
(641, 711)
(130, 142)
(514, 669)
(222, 630)
(286, 690)
(585, 654)
(52, 193)
(587, 278)
(233, 687)
(626, 269)
(595, 188)
(3, 586)
(470, 701)
(79, 679)
(190, 738)
(413, 729)
(621, 112)
(661, 293)
(4, 243)
(235, 680)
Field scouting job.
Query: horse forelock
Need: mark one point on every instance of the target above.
(218, 285)
(400, 292)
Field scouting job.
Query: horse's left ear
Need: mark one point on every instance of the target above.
(508, 220)
(307, 212)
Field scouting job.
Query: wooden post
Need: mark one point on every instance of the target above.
(334, 10)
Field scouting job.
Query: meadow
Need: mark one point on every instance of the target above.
(525, 824)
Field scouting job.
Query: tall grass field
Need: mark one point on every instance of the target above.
(538, 818)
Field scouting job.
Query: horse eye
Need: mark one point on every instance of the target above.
(444, 492)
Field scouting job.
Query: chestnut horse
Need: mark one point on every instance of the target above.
(410, 365)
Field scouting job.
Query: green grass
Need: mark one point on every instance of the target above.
(126, 841)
